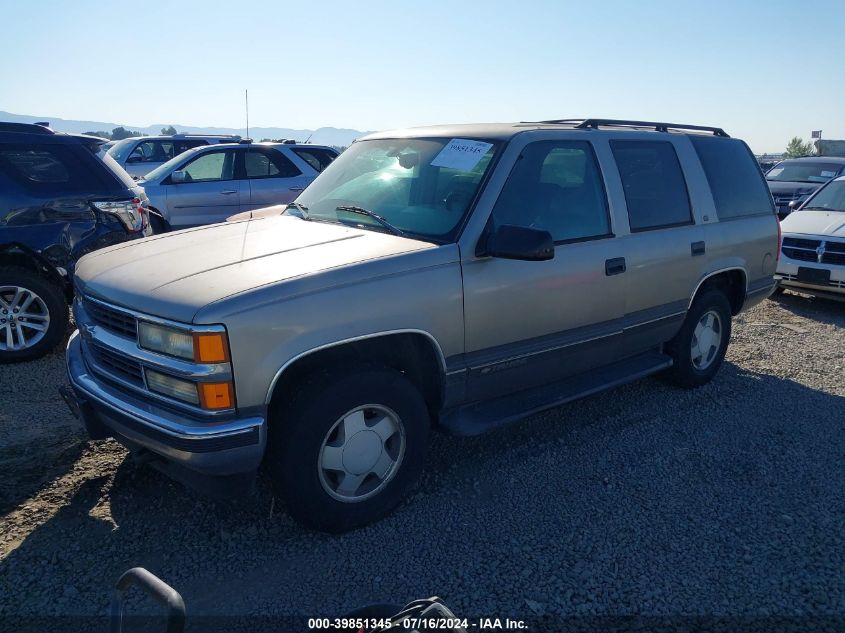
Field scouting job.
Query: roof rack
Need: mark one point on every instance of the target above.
(184, 134)
(658, 126)
(26, 128)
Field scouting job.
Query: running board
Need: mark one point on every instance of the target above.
(479, 417)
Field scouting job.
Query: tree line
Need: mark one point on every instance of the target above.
(119, 133)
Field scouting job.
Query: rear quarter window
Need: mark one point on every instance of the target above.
(318, 158)
(738, 186)
(52, 168)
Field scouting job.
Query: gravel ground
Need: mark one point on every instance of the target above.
(727, 501)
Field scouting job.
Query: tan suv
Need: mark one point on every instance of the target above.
(453, 278)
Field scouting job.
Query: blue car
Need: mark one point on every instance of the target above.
(61, 196)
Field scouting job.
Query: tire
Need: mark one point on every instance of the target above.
(158, 223)
(690, 369)
(310, 431)
(46, 306)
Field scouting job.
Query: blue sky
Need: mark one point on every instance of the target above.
(765, 71)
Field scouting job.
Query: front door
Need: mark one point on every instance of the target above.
(533, 322)
(210, 192)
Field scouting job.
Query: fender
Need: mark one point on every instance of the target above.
(716, 272)
(28, 257)
(355, 339)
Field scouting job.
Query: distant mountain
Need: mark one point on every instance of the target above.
(321, 136)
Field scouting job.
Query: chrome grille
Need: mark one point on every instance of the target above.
(119, 366)
(110, 318)
(804, 250)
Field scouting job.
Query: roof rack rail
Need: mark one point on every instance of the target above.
(656, 125)
(26, 128)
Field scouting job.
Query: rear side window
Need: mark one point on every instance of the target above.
(738, 187)
(655, 189)
(50, 168)
(269, 165)
(318, 158)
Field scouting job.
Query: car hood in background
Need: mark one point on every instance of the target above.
(789, 187)
(175, 274)
(824, 223)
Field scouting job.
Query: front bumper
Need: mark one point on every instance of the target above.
(789, 276)
(172, 441)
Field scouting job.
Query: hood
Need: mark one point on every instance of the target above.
(790, 187)
(174, 275)
(824, 223)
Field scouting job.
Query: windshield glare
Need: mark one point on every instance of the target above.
(803, 172)
(424, 187)
(831, 198)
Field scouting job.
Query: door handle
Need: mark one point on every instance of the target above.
(297, 189)
(614, 266)
(697, 248)
(227, 192)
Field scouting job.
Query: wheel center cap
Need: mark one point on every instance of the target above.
(361, 452)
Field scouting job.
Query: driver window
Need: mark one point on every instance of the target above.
(555, 186)
(210, 166)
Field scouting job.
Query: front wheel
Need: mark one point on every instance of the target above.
(33, 315)
(348, 446)
(699, 348)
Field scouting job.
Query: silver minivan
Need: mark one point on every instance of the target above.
(139, 155)
(211, 183)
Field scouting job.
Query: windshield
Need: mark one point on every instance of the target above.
(423, 187)
(830, 198)
(794, 171)
(120, 150)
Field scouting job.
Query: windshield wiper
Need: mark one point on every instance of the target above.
(303, 210)
(374, 216)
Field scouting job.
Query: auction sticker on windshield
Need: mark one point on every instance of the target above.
(461, 154)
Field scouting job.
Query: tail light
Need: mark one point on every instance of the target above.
(131, 213)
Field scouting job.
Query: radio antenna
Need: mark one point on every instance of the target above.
(246, 102)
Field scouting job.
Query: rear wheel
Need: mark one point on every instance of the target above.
(348, 446)
(33, 315)
(699, 348)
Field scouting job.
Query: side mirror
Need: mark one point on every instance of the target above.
(134, 159)
(794, 205)
(518, 242)
(178, 177)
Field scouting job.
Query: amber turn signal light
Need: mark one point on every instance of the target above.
(211, 347)
(216, 395)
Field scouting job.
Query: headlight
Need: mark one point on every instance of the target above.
(173, 387)
(167, 340)
(201, 347)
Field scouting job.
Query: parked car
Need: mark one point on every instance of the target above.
(59, 199)
(456, 278)
(208, 184)
(793, 180)
(813, 253)
(139, 155)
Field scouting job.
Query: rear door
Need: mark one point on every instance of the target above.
(210, 193)
(272, 178)
(665, 249)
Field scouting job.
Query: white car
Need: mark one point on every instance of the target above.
(813, 251)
